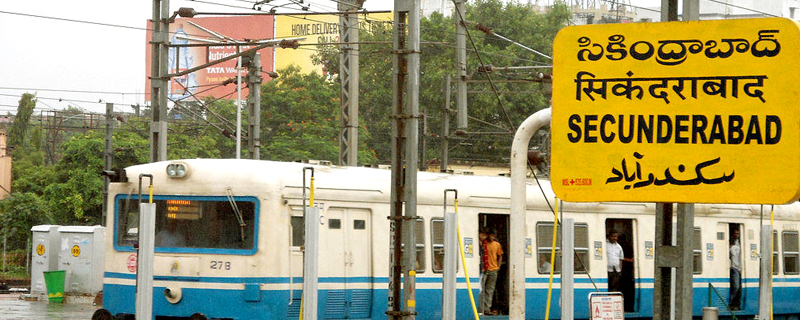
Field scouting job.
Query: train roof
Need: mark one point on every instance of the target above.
(242, 176)
(373, 183)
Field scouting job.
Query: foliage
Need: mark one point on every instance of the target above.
(19, 128)
(299, 118)
(18, 212)
(517, 101)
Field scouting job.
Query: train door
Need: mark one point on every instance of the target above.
(346, 263)
(626, 237)
(732, 244)
(498, 223)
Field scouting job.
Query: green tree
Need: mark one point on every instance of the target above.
(18, 213)
(19, 128)
(300, 118)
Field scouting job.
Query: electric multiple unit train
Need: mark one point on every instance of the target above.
(229, 244)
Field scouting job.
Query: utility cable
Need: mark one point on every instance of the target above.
(72, 91)
(632, 6)
(205, 106)
(743, 8)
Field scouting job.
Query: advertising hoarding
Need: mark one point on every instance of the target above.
(321, 29)
(201, 83)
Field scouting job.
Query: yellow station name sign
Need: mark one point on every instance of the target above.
(694, 112)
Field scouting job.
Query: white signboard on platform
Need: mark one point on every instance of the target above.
(606, 306)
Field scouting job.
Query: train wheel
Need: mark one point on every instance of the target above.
(102, 314)
(198, 316)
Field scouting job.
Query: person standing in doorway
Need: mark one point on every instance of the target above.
(615, 257)
(493, 257)
(736, 270)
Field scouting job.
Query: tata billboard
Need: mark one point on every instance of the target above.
(205, 82)
(694, 112)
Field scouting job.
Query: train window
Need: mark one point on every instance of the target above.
(437, 245)
(298, 229)
(419, 231)
(697, 253)
(186, 224)
(334, 223)
(127, 220)
(790, 253)
(775, 259)
(544, 241)
(359, 224)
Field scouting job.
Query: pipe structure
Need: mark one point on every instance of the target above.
(519, 170)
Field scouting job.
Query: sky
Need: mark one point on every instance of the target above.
(48, 48)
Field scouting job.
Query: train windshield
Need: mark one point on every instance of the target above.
(191, 224)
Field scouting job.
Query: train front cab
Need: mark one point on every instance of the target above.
(205, 246)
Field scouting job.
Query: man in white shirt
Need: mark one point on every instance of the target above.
(615, 257)
(736, 271)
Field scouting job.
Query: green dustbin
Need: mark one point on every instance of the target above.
(55, 285)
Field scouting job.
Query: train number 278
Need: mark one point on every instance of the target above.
(221, 265)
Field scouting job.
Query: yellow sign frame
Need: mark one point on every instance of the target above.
(693, 112)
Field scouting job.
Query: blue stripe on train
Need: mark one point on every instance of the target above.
(364, 303)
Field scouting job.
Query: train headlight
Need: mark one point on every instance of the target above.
(177, 170)
(173, 294)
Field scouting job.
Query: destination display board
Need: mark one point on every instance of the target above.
(693, 112)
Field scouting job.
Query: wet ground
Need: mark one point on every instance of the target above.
(12, 308)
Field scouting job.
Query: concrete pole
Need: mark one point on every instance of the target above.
(450, 266)
(764, 283)
(311, 264)
(691, 10)
(254, 108)
(662, 298)
(461, 65)
(684, 288)
(145, 259)
(568, 269)
(519, 170)
(411, 156)
(159, 81)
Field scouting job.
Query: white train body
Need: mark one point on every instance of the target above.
(223, 275)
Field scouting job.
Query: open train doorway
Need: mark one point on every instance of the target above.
(625, 277)
(497, 224)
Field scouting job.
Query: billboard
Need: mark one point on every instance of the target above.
(320, 29)
(204, 82)
(693, 112)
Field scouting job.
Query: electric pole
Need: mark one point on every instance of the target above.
(445, 123)
(159, 81)
(348, 75)
(254, 107)
(461, 65)
(107, 156)
(405, 145)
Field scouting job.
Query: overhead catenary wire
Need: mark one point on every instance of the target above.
(743, 8)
